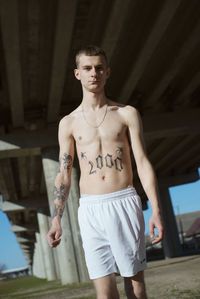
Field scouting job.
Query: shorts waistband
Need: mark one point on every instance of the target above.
(100, 198)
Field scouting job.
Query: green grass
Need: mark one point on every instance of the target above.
(28, 286)
(11, 285)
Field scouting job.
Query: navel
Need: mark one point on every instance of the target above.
(103, 177)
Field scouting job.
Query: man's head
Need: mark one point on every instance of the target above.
(92, 68)
(90, 50)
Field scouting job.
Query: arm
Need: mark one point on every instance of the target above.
(62, 180)
(145, 171)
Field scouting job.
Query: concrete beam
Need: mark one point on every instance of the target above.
(24, 240)
(185, 51)
(26, 143)
(24, 247)
(158, 29)
(171, 124)
(11, 44)
(23, 143)
(189, 88)
(18, 228)
(115, 24)
(63, 34)
(181, 179)
(180, 161)
(177, 149)
(95, 22)
(161, 149)
(37, 203)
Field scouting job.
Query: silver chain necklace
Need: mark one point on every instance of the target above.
(97, 126)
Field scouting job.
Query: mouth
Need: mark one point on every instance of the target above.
(94, 82)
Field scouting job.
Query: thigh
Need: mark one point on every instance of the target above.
(106, 286)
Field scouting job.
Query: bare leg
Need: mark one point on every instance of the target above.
(106, 287)
(135, 286)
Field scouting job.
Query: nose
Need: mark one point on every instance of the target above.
(94, 72)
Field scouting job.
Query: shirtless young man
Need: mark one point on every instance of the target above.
(110, 214)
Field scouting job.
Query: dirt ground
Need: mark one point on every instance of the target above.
(175, 278)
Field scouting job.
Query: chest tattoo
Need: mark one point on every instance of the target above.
(109, 160)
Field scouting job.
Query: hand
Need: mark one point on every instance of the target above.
(54, 235)
(156, 222)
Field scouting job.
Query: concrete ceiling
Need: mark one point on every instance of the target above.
(154, 52)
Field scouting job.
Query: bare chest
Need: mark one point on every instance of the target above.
(111, 131)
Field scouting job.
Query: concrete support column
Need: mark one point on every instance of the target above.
(171, 242)
(65, 251)
(36, 262)
(73, 204)
(48, 254)
(55, 256)
(40, 255)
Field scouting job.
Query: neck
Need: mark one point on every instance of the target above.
(94, 100)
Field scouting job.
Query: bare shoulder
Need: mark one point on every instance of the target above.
(129, 113)
(66, 123)
(130, 110)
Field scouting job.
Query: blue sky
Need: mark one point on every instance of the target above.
(185, 198)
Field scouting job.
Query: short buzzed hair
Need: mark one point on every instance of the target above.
(90, 50)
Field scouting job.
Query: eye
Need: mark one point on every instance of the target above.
(87, 68)
(99, 68)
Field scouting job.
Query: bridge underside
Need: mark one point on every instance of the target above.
(153, 48)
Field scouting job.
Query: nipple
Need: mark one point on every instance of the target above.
(79, 137)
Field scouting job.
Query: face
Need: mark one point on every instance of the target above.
(93, 72)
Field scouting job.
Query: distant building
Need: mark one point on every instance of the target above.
(189, 230)
(12, 273)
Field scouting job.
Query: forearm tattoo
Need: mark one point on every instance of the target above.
(65, 162)
(109, 161)
(61, 192)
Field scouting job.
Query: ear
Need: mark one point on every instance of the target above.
(76, 74)
(108, 71)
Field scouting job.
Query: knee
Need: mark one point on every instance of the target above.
(140, 293)
(102, 296)
(105, 296)
(108, 294)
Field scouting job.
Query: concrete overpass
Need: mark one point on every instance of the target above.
(153, 48)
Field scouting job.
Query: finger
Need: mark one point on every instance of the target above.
(159, 237)
(55, 243)
(156, 240)
(57, 235)
(50, 239)
(151, 230)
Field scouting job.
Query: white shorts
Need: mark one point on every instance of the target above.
(112, 231)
